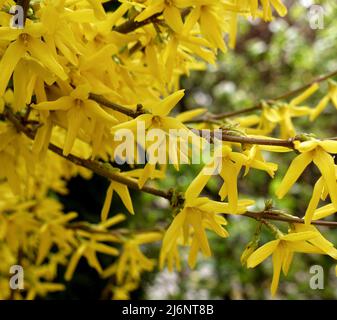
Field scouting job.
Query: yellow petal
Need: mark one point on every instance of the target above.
(75, 119)
(103, 248)
(288, 257)
(305, 95)
(329, 146)
(230, 173)
(132, 124)
(296, 168)
(319, 108)
(164, 107)
(173, 232)
(262, 253)
(277, 265)
(304, 247)
(63, 103)
(150, 11)
(9, 60)
(173, 18)
(316, 195)
(306, 146)
(107, 203)
(197, 185)
(95, 111)
(124, 194)
(73, 262)
(300, 236)
(40, 51)
(279, 7)
(189, 115)
(147, 174)
(324, 211)
(112, 221)
(326, 166)
(192, 256)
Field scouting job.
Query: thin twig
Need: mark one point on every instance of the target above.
(114, 106)
(281, 97)
(270, 216)
(224, 136)
(132, 25)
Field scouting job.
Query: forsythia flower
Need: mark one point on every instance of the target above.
(123, 191)
(170, 9)
(158, 119)
(307, 240)
(91, 243)
(197, 214)
(229, 164)
(132, 261)
(319, 153)
(78, 107)
(331, 96)
(282, 114)
(26, 40)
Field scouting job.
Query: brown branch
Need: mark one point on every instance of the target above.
(288, 143)
(268, 215)
(132, 25)
(281, 97)
(114, 106)
(224, 136)
(207, 134)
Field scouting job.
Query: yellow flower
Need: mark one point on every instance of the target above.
(319, 242)
(123, 192)
(282, 250)
(267, 6)
(59, 34)
(229, 164)
(255, 160)
(191, 114)
(170, 9)
(122, 292)
(331, 96)
(132, 262)
(79, 108)
(24, 41)
(319, 153)
(320, 192)
(158, 119)
(283, 114)
(211, 26)
(198, 214)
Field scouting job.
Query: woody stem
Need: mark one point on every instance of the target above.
(99, 168)
(278, 98)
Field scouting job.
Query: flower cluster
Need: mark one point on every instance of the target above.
(76, 75)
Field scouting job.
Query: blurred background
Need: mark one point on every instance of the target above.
(270, 59)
